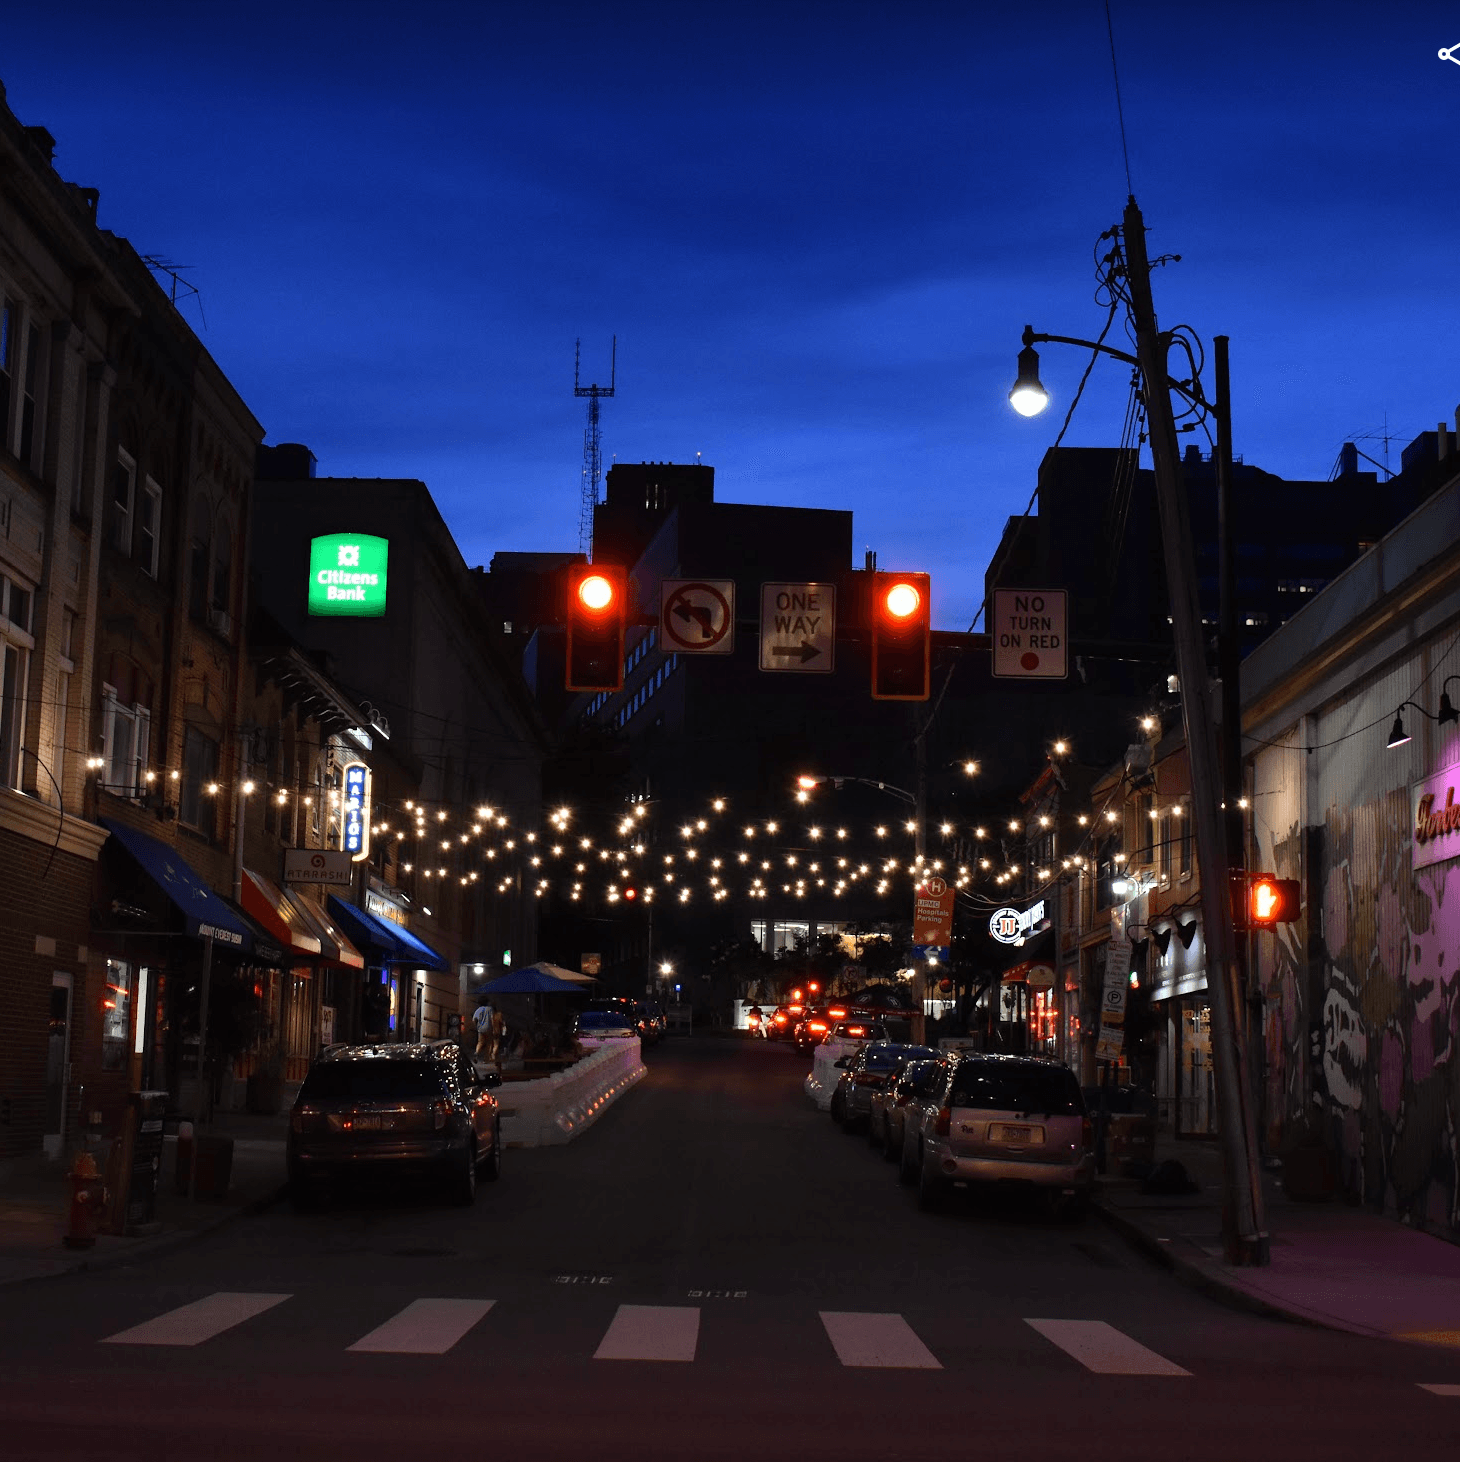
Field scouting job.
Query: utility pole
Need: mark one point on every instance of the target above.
(1244, 1222)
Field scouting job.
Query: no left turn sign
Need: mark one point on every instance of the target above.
(697, 616)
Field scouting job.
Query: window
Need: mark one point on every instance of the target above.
(200, 770)
(1165, 846)
(145, 545)
(63, 705)
(124, 489)
(30, 376)
(126, 733)
(8, 324)
(222, 570)
(199, 552)
(1186, 834)
(116, 1012)
(15, 650)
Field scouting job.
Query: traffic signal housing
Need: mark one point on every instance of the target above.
(597, 605)
(1270, 901)
(902, 632)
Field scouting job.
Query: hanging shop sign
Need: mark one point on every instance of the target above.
(347, 574)
(323, 867)
(933, 913)
(356, 804)
(1435, 826)
(1012, 926)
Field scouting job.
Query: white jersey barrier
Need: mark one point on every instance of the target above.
(555, 1109)
(823, 1077)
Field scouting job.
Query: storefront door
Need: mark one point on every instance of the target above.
(1196, 1115)
(58, 1065)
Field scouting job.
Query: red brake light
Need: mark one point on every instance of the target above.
(944, 1121)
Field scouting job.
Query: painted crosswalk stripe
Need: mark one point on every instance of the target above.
(1104, 1349)
(1439, 1388)
(884, 1341)
(202, 1320)
(651, 1332)
(425, 1327)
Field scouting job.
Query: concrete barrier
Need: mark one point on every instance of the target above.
(822, 1079)
(555, 1109)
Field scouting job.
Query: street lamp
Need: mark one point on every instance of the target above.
(1129, 280)
(1028, 396)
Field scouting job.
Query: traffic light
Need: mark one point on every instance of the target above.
(1271, 900)
(597, 603)
(901, 636)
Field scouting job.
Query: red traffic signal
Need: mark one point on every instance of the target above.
(631, 894)
(1271, 900)
(597, 604)
(902, 628)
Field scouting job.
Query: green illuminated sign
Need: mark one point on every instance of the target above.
(347, 574)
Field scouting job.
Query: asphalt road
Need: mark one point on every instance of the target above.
(713, 1217)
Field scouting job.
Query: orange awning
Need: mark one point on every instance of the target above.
(265, 901)
(335, 946)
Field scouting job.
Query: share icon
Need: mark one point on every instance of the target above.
(1450, 53)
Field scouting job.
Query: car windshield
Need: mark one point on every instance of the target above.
(371, 1081)
(995, 1087)
(885, 1058)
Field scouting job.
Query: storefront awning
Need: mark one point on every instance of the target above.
(265, 901)
(1032, 973)
(390, 943)
(334, 947)
(203, 911)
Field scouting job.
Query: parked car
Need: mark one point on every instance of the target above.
(594, 1028)
(1002, 1119)
(653, 1012)
(395, 1108)
(815, 1025)
(864, 1073)
(889, 1102)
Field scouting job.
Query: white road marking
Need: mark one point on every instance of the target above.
(885, 1341)
(1104, 1349)
(1439, 1389)
(202, 1320)
(425, 1327)
(651, 1332)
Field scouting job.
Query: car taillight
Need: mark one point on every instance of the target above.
(440, 1111)
(300, 1117)
(837, 1013)
(1087, 1133)
(816, 1025)
(944, 1121)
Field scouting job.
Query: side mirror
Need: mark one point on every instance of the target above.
(492, 1080)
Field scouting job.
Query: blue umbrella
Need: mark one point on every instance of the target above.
(528, 982)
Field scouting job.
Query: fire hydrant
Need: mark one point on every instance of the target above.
(88, 1198)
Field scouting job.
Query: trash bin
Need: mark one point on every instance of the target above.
(215, 1162)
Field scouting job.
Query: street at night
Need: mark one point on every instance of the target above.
(761, 1242)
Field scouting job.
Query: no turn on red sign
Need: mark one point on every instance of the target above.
(1029, 633)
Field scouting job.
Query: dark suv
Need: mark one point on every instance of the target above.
(395, 1108)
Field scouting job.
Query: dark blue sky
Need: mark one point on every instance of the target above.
(817, 230)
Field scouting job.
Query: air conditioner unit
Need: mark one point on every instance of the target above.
(219, 621)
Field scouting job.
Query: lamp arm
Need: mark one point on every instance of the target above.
(1032, 337)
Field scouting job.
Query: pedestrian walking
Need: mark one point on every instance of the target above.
(482, 1018)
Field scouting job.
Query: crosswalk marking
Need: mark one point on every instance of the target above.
(1436, 1388)
(651, 1332)
(202, 1320)
(424, 1327)
(1104, 1349)
(884, 1341)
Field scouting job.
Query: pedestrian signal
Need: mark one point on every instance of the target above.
(1271, 900)
(597, 602)
(902, 630)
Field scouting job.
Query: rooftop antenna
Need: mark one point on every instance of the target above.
(159, 265)
(592, 444)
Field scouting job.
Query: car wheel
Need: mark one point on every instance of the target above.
(491, 1170)
(838, 1108)
(464, 1185)
(907, 1173)
(932, 1189)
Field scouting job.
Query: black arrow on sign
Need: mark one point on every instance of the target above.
(805, 650)
(700, 615)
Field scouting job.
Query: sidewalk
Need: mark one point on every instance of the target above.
(33, 1204)
(1332, 1264)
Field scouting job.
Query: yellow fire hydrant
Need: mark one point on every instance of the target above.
(88, 1199)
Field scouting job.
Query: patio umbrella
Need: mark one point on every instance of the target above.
(529, 981)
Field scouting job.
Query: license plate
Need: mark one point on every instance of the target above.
(1005, 1132)
(362, 1124)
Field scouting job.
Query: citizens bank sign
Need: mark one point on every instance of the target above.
(347, 574)
(1435, 828)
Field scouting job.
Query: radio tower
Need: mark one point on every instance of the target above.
(592, 445)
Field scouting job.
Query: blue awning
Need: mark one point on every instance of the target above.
(390, 943)
(202, 910)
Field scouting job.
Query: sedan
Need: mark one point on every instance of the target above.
(865, 1074)
(905, 1083)
(595, 1028)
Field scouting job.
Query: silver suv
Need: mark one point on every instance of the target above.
(1002, 1119)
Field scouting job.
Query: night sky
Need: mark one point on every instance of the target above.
(816, 229)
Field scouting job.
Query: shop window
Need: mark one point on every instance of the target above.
(200, 770)
(116, 1015)
(125, 740)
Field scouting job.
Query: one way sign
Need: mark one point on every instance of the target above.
(798, 627)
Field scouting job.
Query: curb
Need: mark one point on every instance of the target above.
(158, 1244)
(1208, 1278)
